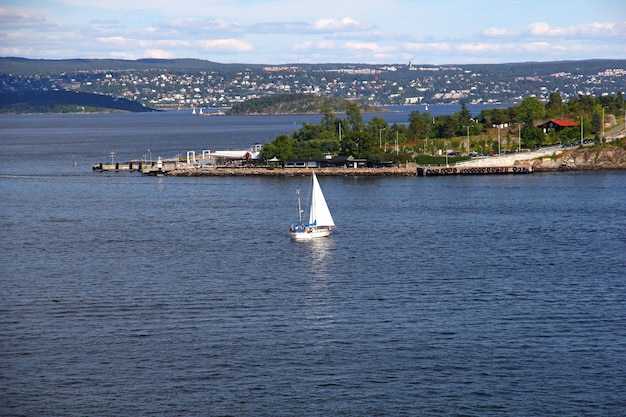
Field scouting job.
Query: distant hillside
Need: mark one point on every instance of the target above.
(296, 104)
(65, 102)
(195, 83)
(48, 67)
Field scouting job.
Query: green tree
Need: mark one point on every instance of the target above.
(513, 113)
(554, 107)
(378, 127)
(501, 116)
(596, 122)
(354, 116)
(464, 117)
(349, 145)
(419, 125)
(531, 107)
(281, 148)
(581, 104)
(587, 103)
(328, 118)
(532, 137)
(450, 127)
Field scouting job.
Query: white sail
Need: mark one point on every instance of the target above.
(319, 214)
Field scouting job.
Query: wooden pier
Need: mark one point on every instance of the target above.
(160, 167)
(472, 170)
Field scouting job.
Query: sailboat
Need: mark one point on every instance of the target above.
(320, 223)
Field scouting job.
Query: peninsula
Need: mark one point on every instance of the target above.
(297, 104)
(62, 101)
(586, 159)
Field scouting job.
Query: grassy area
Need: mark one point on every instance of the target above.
(439, 160)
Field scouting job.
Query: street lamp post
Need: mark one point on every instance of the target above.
(380, 137)
(397, 149)
(498, 140)
(519, 137)
(602, 121)
(468, 128)
(581, 130)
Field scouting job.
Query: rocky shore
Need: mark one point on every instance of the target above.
(612, 158)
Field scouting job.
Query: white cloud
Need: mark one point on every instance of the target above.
(10, 18)
(195, 25)
(428, 46)
(540, 47)
(479, 48)
(333, 25)
(367, 46)
(494, 32)
(116, 40)
(309, 46)
(226, 45)
(158, 53)
(163, 43)
(543, 29)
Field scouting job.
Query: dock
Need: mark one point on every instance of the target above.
(118, 166)
(472, 170)
(158, 168)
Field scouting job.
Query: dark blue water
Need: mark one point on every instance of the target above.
(130, 295)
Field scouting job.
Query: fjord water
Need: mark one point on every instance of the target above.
(130, 295)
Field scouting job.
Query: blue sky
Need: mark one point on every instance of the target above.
(320, 31)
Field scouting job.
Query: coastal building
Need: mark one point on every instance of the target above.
(334, 162)
(557, 125)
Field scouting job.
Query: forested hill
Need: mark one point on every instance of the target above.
(48, 67)
(65, 102)
(296, 104)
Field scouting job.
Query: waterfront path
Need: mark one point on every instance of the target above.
(510, 159)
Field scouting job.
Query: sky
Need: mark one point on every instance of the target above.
(435, 32)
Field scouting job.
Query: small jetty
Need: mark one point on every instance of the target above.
(159, 167)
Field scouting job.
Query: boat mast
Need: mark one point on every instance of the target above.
(299, 207)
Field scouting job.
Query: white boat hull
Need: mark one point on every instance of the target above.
(311, 233)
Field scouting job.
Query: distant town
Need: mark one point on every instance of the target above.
(189, 84)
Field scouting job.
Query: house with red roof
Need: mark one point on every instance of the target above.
(557, 125)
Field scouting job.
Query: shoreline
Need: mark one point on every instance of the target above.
(607, 159)
(351, 172)
(294, 172)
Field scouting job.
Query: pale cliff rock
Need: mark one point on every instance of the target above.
(579, 160)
